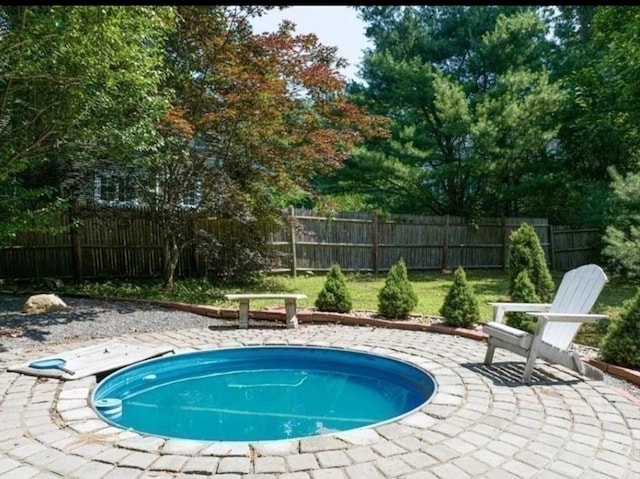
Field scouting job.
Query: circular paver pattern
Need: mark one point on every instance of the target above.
(482, 423)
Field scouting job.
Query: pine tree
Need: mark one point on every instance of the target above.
(460, 307)
(526, 254)
(622, 237)
(334, 296)
(397, 298)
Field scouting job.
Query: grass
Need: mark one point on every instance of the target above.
(431, 288)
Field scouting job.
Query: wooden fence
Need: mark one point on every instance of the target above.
(128, 244)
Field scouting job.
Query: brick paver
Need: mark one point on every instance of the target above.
(481, 423)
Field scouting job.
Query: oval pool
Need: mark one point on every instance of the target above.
(257, 393)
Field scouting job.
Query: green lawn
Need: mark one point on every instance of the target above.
(431, 288)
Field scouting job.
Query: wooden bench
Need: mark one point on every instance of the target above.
(290, 300)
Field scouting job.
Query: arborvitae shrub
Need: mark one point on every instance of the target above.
(460, 307)
(397, 298)
(334, 296)
(523, 292)
(621, 344)
(526, 254)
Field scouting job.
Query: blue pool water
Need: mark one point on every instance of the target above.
(261, 393)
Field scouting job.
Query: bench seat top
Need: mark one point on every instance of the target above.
(265, 296)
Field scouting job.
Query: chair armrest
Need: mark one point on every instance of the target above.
(569, 317)
(500, 308)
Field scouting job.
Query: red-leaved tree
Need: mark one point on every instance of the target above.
(252, 116)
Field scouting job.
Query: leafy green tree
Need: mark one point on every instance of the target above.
(526, 254)
(622, 236)
(397, 297)
(621, 344)
(460, 307)
(334, 295)
(523, 292)
(595, 58)
(76, 83)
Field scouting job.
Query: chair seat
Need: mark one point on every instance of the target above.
(508, 334)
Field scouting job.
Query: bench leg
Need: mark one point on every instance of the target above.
(290, 313)
(243, 314)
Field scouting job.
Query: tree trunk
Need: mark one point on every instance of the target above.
(171, 256)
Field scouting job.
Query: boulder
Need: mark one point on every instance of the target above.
(43, 303)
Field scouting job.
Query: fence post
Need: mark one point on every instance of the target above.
(76, 247)
(374, 243)
(292, 241)
(445, 244)
(552, 259)
(505, 243)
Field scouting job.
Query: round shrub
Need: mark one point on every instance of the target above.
(526, 254)
(621, 344)
(460, 307)
(523, 292)
(397, 298)
(334, 296)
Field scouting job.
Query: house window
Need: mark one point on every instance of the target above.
(114, 189)
(193, 196)
(117, 189)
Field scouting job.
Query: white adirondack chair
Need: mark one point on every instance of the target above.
(557, 323)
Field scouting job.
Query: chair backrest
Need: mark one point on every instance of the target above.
(577, 293)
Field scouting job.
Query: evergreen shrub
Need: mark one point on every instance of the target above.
(526, 254)
(334, 296)
(397, 297)
(460, 307)
(523, 292)
(621, 344)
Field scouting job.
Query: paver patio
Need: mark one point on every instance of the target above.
(482, 423)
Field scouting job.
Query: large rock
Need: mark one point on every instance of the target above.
(43, 303)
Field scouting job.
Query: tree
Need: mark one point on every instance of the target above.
(596, 59)
(472, 106)
(76, 83)
(526, 254)
(397, 298)
(334, 295)
(622, 236)
(252, 117)
(460, 307)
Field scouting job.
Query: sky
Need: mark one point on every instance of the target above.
(335, 25)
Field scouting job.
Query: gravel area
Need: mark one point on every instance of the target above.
(89, 319)
(97, 319)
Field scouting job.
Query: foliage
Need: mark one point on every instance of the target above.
(523, 292)
(490, 105)
(621, 344)
(252, 117)
(473, 111)
(237, 252)
(334, 295)
(397, 297)
(596, 60)
(76, 83)
(460, 307)
(622, 236)
(526, 254)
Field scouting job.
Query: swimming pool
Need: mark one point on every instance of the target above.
(259, 393)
